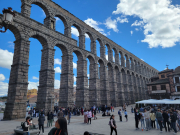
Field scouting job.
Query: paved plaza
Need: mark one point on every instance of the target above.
(99, 126)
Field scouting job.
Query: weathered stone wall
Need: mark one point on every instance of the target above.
(119, 82)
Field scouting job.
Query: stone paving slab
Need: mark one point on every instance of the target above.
(100, 126)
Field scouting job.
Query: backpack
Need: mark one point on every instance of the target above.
(23, 125)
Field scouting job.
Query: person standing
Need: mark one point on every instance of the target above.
(51, 119)
(89, 116)
(60, 127)
(60, 114)
(166, 120)
(126, 115)
(173, 121)
(147, 119)
(41, 120)
(120, 115)
(95, 114)
(48, 119)
(113, 125)
(153, 117)
(113, 108)
(68, 116)
(142, 120)
(85, 116)
(159, 119)
(137, 118)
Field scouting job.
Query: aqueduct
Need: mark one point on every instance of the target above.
(116, 82)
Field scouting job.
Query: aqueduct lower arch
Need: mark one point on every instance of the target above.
(112, 82)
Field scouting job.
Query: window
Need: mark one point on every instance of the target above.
(154, 88)
(162, 76)
(176, 79)
(178, 88)
(163, 87)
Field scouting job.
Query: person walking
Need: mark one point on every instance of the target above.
(95, 114)
(85, 116)
(113, 108)
(113, 124)
(159, 119)
(68, 116)
(89, 116)
(48, 119)
(147, 119)
(173, 121)
(153, 117)
(166, 120)
(142, 120)
(120, 115)
(60, 127)
(126, 115)
(60, 114)
(137, 118)
(41, 120)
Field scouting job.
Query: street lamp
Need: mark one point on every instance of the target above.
(8, 15)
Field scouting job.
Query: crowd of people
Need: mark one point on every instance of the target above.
(151, 118)
(147, 118)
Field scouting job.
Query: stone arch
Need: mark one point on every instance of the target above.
(116, 56)
(121, 58)
(15, 30)
(131, 64)
(42, 5)
(63, 19)
(92, 43)
(77, 27)
(126, 61)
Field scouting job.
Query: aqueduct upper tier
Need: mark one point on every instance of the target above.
(114, 81)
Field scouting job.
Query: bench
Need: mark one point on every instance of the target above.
(19, 131)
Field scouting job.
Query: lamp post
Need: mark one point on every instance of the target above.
(8, 15)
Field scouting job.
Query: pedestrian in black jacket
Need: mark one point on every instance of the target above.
(166, 120)
(173, 121)
(137, 118)
(41, 122)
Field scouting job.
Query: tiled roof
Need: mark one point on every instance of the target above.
(160, 81)
(166, 70)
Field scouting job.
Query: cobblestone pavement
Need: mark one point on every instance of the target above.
(99, 126)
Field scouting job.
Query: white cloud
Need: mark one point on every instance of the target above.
(74, 31)
(56, 84)
(131, 32)
(111, 24)
(33, 85)
(122, 20)
(88, 75)
(74, 78)
(57, 19)
(2, 77)
(3, 88)
(57, 70)
(6, 58)
(74, 65)
(57, 61)
(95, 25)
(109, 33)
(136, 29)
(35, 78)
(138, 23)
(106, 56)
(43, 13)
(142, 59)
(159, 18)
(11, 44)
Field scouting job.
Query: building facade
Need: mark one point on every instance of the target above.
(166, 85)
